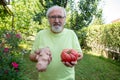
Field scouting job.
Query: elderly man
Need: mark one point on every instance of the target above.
(56, 38)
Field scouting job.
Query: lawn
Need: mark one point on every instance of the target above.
(97, 68)
(89, 68)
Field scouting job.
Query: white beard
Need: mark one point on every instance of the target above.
(56, 29)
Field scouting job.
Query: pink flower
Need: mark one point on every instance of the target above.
(14, 64)
(6, 50)
(18, 35)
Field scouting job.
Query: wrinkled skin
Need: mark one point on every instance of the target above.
(44, 58)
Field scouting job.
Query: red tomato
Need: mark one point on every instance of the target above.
(68, 55)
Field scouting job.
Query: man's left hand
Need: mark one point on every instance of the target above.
(73, 63)
(70, 64)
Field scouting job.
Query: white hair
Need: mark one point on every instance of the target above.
(55, 7)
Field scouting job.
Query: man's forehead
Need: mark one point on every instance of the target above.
(57, 11)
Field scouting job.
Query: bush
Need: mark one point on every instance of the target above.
(11, 62)
(104, 37)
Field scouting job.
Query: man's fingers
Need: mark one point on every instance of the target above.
(74, 62)
(80, 56)
(37, 57)
(68, 64)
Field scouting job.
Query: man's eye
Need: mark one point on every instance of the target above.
(56, 17)
(59, 17)
(53, 16)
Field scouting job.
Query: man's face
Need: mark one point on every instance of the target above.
(57, 20)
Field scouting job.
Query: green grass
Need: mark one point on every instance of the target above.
(97, 68)
(30, 69)
(89, 68)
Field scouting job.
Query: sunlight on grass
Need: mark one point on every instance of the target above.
(96, 68)
(93, 53)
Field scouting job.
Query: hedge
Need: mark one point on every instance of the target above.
(102, 38)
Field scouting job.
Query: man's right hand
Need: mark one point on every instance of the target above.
(34, 56)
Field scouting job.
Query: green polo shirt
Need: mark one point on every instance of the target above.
(56, 70)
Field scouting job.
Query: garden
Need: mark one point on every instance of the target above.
(21, 20)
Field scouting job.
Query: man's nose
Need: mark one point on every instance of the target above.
(56, 19)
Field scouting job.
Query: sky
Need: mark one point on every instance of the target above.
(111, 10)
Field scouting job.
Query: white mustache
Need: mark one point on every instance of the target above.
(56, 24)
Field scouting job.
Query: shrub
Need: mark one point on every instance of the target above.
(104, 38)
(11, 62)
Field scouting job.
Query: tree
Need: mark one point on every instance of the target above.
(98, 18)
(88, 9)
(81, 15)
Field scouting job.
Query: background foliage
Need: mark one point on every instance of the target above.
(28, 17)
(104, 38)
